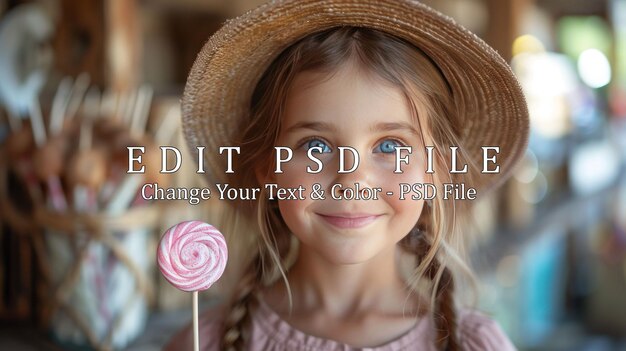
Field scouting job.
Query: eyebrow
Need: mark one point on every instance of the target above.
(379, 127)
(317, 126)
(395, 126)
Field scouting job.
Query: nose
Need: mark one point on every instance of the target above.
(362, 174)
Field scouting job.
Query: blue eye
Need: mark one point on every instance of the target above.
(317, 143)
(387, 146)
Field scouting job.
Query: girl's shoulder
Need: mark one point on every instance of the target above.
(478, 331)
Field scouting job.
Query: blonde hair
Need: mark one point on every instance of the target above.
(435, 241)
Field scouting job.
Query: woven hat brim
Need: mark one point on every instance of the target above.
(220, 85)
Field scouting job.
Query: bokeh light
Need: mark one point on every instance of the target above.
(594, 68)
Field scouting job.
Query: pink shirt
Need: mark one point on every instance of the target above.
(270, 332)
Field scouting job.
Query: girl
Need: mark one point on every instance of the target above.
(327, 274)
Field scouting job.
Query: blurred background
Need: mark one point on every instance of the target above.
(81, 80)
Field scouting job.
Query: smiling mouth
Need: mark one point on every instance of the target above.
(343, 221)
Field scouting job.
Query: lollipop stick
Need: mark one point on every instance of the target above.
(145, 109)
(39, 131)
(108, 104)
(120, 107)
(14, 121)
(59, 104)
(196, 337)
(77, 94)
(130, 107)
(168, 126)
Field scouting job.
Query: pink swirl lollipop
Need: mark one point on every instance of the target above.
(192, 255)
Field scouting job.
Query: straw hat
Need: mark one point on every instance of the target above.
(220, 85)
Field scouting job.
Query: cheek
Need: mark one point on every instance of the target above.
(295, 173)
(407, 210)
(291, 211)
(390, 181)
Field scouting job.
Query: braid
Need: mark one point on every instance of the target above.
(238, 319)
(444, 313)
(235, 321)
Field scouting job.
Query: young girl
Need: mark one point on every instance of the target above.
(328, 273)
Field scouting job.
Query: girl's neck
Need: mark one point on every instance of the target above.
(343, 290)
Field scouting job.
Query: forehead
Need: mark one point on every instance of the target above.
(348, 95)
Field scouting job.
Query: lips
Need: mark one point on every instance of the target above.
(349, 220)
